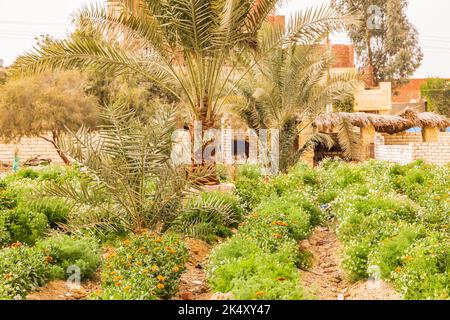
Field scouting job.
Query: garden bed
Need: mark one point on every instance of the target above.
(307, 234)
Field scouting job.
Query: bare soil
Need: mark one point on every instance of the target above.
(59, 290)
(325, 280)
(193, 282)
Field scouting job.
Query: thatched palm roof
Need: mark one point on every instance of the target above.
(383, 123)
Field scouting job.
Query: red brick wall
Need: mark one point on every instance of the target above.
(408, 92)
(344, 56)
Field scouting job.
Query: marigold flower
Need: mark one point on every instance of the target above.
(8, 276)
(118, 278)
(48, 259)
(126, 242)
(155, 268)
(158, 239)
(139, 263)
(114, 272)
(160, 278)
(16, 244)
(144, 271)
(118, 284)
(259, 293)
(398, 269)
(276, 235)
(160, 286)
(175, 269)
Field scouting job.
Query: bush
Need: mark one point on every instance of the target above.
(22, 270)
(249, 272)
(27, 173)
(24, 225)
(63, 251)
(144, 267)
(424, 272)
(390, 251)
(56, 210)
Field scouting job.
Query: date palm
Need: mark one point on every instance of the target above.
(191, 48)
(287, 90)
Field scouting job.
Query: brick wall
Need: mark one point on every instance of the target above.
(28, 148)
(344, 56)
(434, 153)
(402, 138)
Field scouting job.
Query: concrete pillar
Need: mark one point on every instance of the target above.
(430, 134)
(367, 140)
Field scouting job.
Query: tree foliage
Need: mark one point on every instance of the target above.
(45, 106)
(437, 93)
(384, 39)
(287, 90)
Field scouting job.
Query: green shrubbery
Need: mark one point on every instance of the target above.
(391, 217)
(261, 261)
(145, 266)
(22, 270)
(63, 251)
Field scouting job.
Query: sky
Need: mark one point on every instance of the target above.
(23, 20)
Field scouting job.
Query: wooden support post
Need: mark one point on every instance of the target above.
(367, 140)
(430, 134)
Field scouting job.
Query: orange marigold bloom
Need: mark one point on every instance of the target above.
(8, 276)
(118, 284)
(276, 235)
(158, 239)
(16, 244)
(175, 269)
(259, 293)
(118, 278)
(154, 268)
(160, 286)
(160, 278)
(398, 269)
(48, 259)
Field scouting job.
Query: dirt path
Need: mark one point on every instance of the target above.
(59, 290)
(193, 283)
(326, 281)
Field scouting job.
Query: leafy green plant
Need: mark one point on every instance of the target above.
(24, 225)
(143, 267)
(63, 251)
(22, 270)
(248, 271)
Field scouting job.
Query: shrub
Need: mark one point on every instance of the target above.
(424, 272)
(143, 267)
(301, 214)
(56, 210)
(390, 251)
(24, 225)
(8, 198)
(355, 258)
(22, 270)
(63, 251)
(247, 271)
(27, 173)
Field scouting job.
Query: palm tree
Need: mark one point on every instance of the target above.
(288, 90)
(191, 48)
